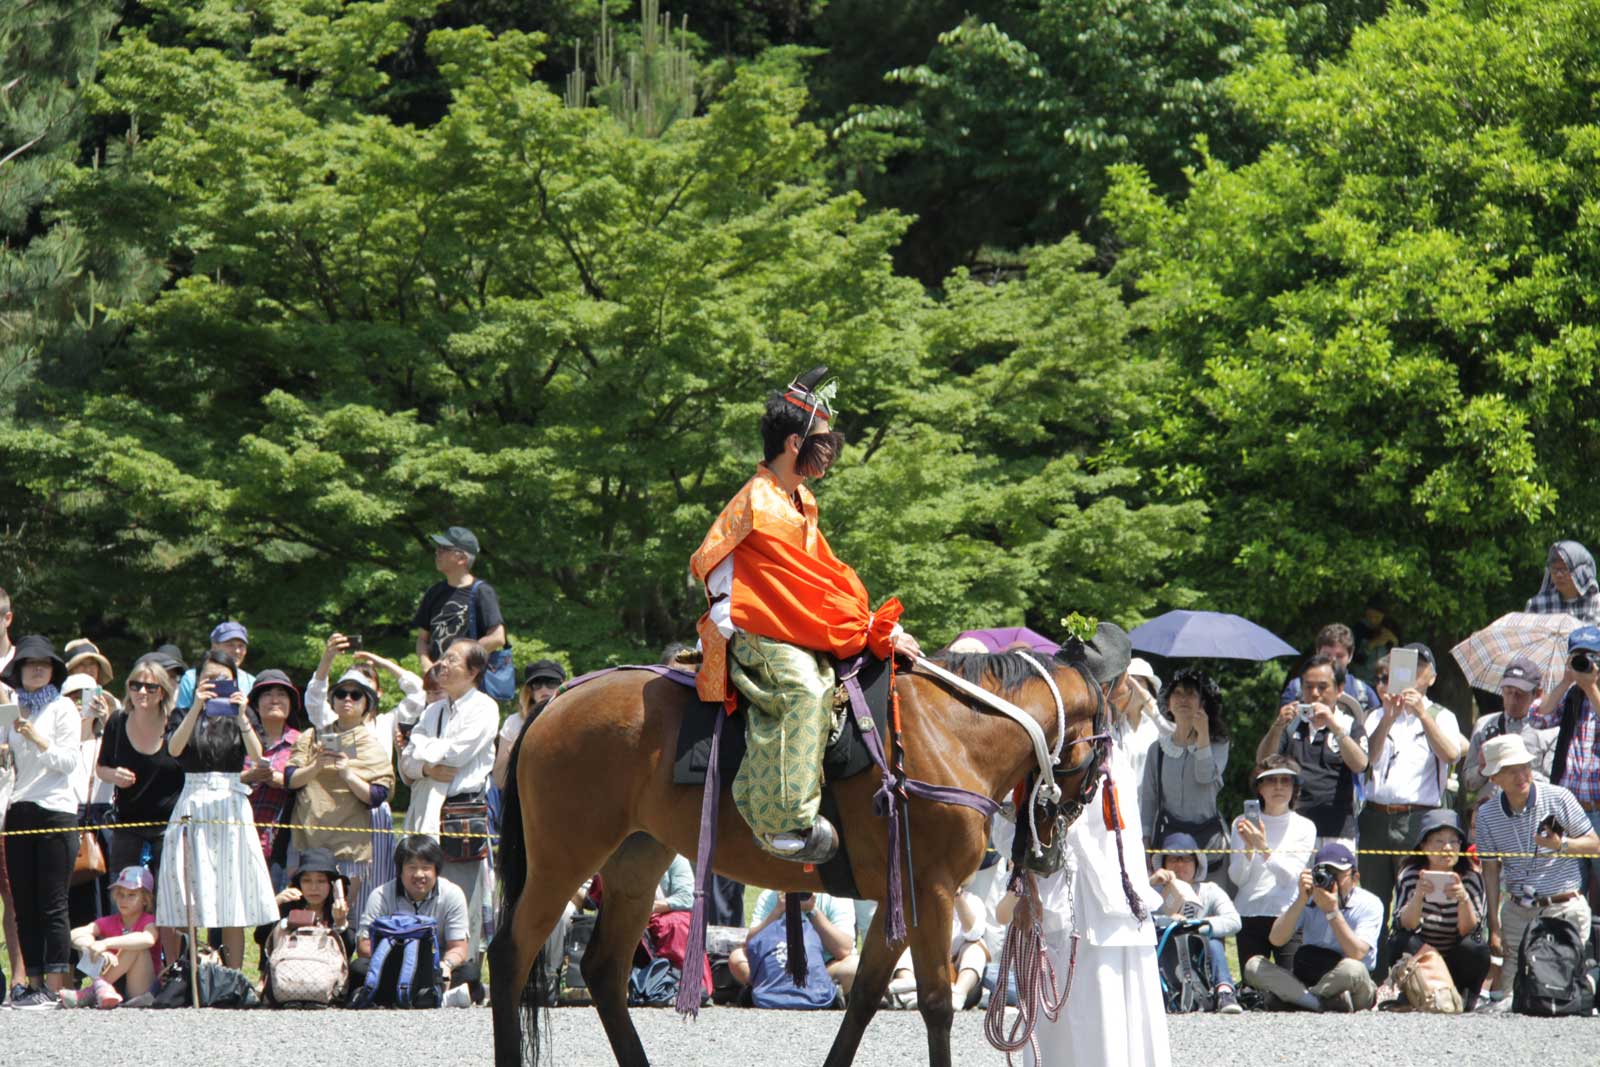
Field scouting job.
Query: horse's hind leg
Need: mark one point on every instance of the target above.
(930, 958)
(629, 878)
(866, 993)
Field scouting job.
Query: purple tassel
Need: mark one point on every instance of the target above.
(792, 918)
(691, 982)
(894, 926)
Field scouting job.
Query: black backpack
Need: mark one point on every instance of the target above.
(1187, 983)
(1550, 978)
(655, 985)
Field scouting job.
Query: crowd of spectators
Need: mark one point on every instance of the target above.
(1356, 849)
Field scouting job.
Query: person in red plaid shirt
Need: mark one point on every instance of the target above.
(277, 703)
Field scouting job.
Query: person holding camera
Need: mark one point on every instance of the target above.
(1339, 924)
(1412, 744)
(1271, 846)
(1325, 736)
(1183, 772)
(1338, 644)
(1521, 685)
(218, 877)
(1576, 763)
(1439, 901)
(1543, 828)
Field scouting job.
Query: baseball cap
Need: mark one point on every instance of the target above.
(135, 878)
(457, 537)
(544, 670)
(1424, 653)
(1336, 855)
(1522, 673)
(230, 631)
(1584, 639)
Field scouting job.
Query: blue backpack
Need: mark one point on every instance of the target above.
(404, 971)
(771, 985)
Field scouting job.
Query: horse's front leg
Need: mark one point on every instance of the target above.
(930, 958)
(866, 992)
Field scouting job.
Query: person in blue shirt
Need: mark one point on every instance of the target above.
(230, 637)
(1340, 924)
(1337, 643)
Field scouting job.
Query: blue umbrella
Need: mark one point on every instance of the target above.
(1208, 635)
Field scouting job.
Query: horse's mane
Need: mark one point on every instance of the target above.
(1001, 672)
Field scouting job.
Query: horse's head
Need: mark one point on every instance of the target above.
(1088, 739)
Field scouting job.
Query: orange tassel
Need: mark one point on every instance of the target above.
(1109, 808)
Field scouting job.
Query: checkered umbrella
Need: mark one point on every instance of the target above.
(1542, 638)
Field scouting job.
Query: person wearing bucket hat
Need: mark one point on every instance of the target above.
(340, 773)
(1542, 829)
(229, 637)
(276, 702)
(83, 657)
(1270, 850)
(540, 680)
(44, 740)
(122, 950)
(1186, 896)
(319, 887)
(1439, 901)
(1340, 925)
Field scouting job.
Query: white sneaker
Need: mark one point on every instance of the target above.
(1487, 1006)
(457, 997)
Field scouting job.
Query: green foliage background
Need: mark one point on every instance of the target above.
(1279, 308)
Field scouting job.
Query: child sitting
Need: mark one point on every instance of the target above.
(1185, 895)
(121, 951)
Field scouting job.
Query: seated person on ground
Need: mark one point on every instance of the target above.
(123, 945)
(1187, 896)
(1339, 924)
(834, 920)
(419, 889)
(969, 956)
(317, 895)
(1439, 901)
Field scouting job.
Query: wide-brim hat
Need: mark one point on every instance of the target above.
(34, 646)
(1439, 819)
(268, 679)
(82, 649)
(317, 860)
(1106, 654)
(77, 682)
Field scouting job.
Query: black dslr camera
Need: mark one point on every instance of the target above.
(1324, 877)
(1581, 661)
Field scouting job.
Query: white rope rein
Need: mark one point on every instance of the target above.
(1045, 789)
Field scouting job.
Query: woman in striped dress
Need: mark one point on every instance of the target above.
(223, 876)
(1439, 901)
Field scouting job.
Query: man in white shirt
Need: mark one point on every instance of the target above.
(449, 756)
(1412, 743)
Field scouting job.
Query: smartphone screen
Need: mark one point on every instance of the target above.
(1402, 669)
(1252, 810)
(302, 917)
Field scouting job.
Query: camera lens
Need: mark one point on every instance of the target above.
(1581, 662)
(1323, 877)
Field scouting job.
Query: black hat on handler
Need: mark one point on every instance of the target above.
(1106, 654)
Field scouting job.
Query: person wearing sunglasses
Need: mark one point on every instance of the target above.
(339, 773)
(145, 776)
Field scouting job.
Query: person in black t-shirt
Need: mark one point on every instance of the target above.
(459, 606)
(1329, 743)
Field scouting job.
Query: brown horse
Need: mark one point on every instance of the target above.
(591, 790)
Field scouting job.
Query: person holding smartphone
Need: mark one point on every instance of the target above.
(225, 878)
(1439, 901)
(1272, 845)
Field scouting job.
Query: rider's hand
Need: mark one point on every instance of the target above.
(905, 645)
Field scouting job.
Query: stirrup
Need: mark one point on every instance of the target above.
(818, 845)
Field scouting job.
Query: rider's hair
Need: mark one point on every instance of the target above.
(779, 421)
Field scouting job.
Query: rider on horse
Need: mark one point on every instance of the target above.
(780, 605)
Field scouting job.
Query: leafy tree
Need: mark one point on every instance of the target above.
(1382, 332)
(1002, 135)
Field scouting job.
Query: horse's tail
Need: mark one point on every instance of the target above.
(516, 1019)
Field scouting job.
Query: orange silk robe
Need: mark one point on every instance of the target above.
(787, 583)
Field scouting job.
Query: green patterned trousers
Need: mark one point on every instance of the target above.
(789, 718)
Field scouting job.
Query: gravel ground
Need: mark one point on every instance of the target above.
(741, 1036)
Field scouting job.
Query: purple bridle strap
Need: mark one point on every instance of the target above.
(694, 953)
(887, 800)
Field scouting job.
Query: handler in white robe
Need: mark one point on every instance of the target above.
(1114, 1015)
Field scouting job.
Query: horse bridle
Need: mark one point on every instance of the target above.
(1092, 768)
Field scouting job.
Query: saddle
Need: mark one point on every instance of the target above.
(847, 754)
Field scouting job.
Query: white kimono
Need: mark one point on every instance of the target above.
(1114, 1015)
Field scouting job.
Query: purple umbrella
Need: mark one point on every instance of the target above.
(1208, 635)
(1001, 638)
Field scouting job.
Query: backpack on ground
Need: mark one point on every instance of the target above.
(574, 990)
(771, 985)
(1550, 978)
(307, 968)
(1182, 955)
(1425, 980)
(655, 985)
(404, 970)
